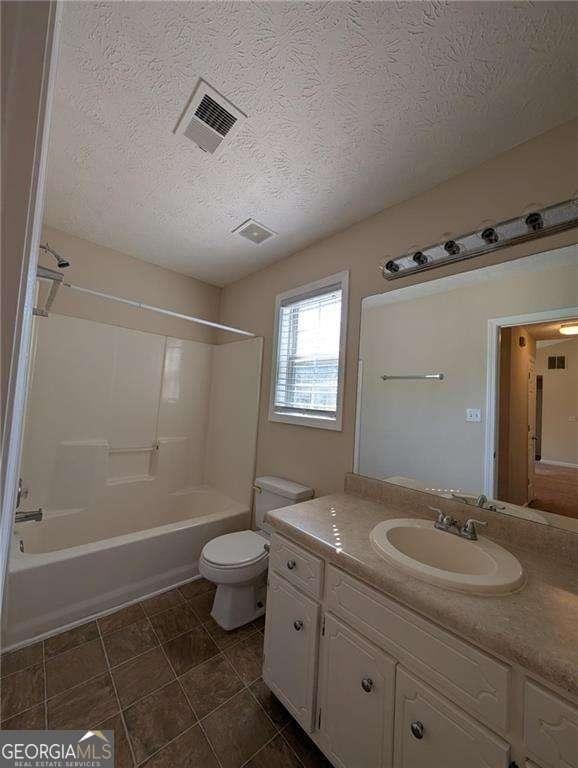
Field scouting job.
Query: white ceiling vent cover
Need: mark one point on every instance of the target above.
(209, 118)
(253, 231)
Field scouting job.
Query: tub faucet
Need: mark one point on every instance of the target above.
(24, 516)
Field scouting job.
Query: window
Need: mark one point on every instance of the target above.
(309, 353)
(556, 361)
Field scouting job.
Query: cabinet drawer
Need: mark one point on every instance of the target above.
(475, 681)
(297, 565)
(429, 731)
(550, 728)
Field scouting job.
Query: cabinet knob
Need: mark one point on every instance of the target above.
(367, 684)
(417, 729)
(291, 564)
(298, 625)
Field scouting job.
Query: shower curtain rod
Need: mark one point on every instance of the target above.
(42, 274)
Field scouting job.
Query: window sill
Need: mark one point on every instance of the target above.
(302, 420)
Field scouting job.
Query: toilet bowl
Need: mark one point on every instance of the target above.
(237, 562)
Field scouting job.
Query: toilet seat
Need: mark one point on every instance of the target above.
(235, 550)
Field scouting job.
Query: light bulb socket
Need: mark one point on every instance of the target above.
(535, 221)
(420, 258)
(452, 247)
(490, 236)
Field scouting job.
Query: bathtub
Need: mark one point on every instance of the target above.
(63, 571)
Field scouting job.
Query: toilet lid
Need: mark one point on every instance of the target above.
(240, 548)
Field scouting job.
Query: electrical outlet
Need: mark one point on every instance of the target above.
(473, 414)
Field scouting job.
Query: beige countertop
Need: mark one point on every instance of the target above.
(536, 627)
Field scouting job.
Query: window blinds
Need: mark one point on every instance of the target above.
(309, 330)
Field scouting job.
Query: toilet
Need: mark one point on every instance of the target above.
(237, 562)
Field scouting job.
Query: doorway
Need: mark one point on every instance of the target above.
(537, 428)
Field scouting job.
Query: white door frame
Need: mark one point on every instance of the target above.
(493, 383)
(18, 378)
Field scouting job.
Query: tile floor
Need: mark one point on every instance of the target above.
(178, 691)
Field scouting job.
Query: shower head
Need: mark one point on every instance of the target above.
(60, 260)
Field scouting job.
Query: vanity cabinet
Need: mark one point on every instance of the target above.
(377, 685)
(356, 698)
(472, 679)
(430, 731)
(290, 648)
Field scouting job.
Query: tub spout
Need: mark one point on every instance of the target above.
(24, 516)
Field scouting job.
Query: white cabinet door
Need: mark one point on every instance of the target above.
(291, 641)
(550, 727)
(430, 731)
(356, 699)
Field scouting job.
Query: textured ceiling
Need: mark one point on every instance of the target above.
(550, 331)
(352, 106)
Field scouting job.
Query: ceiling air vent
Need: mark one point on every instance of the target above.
(253, 231)
(209, 118)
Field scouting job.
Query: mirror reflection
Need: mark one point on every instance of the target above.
(468, 387)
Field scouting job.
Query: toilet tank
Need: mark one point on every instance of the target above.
(275, 492)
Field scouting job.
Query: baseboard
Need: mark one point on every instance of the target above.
(558, 463)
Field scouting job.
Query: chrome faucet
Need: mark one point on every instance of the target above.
(468, 530)
(448, 524)
(25, 515)
(481, 501)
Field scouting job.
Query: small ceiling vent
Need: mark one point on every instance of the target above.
(253, 231)
(209, 118)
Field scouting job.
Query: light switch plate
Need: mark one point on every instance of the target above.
(473, 414)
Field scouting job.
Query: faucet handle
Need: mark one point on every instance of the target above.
(440, 515)
(469, 528)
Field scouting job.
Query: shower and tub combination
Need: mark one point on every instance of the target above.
(138, 450)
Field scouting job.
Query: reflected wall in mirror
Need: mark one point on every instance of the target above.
(498, 422)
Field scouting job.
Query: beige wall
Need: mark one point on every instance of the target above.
(560, 403)
(103, 269)
(537, 173)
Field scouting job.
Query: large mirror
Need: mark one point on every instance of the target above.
(468, 387)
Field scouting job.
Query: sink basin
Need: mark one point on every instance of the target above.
(479, 567)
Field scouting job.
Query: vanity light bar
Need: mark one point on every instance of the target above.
(549, 221)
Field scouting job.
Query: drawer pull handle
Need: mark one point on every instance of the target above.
(298, 625)
(291, 564)
(367, 684)
(417, 729)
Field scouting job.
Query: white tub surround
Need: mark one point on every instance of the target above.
(139, 449)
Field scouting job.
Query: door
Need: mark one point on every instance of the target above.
(356, 699)
(531, 424)
(291, 641)
(430, 731)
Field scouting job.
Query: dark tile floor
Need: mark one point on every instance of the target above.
(178, 691)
